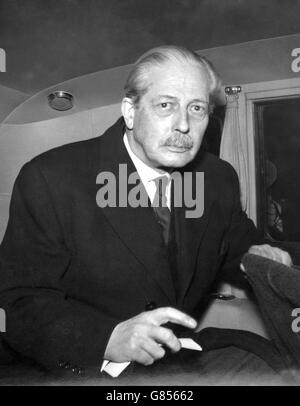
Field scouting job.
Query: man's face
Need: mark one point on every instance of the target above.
(170, 120)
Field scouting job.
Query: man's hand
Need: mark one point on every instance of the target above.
(276, 254)
(141, 337)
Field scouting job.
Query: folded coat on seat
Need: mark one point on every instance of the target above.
(277, 289)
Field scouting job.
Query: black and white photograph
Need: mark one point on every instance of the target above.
(150, 195)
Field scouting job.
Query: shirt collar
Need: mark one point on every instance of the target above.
(146, 172)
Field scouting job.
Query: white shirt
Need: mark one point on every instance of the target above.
(149, 174)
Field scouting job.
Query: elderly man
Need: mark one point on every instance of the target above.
(84, 278)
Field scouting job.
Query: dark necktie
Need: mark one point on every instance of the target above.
(166, 221)
(160, 207)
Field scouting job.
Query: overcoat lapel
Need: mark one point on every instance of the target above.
(190, 233)
(136, 227)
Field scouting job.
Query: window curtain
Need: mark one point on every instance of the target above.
(233, 149)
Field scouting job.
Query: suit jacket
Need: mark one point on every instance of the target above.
(70, 271)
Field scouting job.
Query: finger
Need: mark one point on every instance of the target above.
(282, 256)
(274, 253)
(286, 258)
(143, 357)
(154, 349)
(258, 250)
(169, 314)
(263, 250)
(166, 337)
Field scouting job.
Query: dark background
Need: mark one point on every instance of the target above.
(278, 141)
(50, 41)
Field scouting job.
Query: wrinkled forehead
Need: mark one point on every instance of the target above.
(185, 78)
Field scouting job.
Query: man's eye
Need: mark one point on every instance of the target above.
(165, 108)
(165, 105)
(197, 108)
(199, 111)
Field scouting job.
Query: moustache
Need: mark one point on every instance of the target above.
(179, 141)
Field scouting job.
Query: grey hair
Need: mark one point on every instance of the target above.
(137, 82)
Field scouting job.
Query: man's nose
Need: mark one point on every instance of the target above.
(182, 123)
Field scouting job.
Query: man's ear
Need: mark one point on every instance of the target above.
(128, 110)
